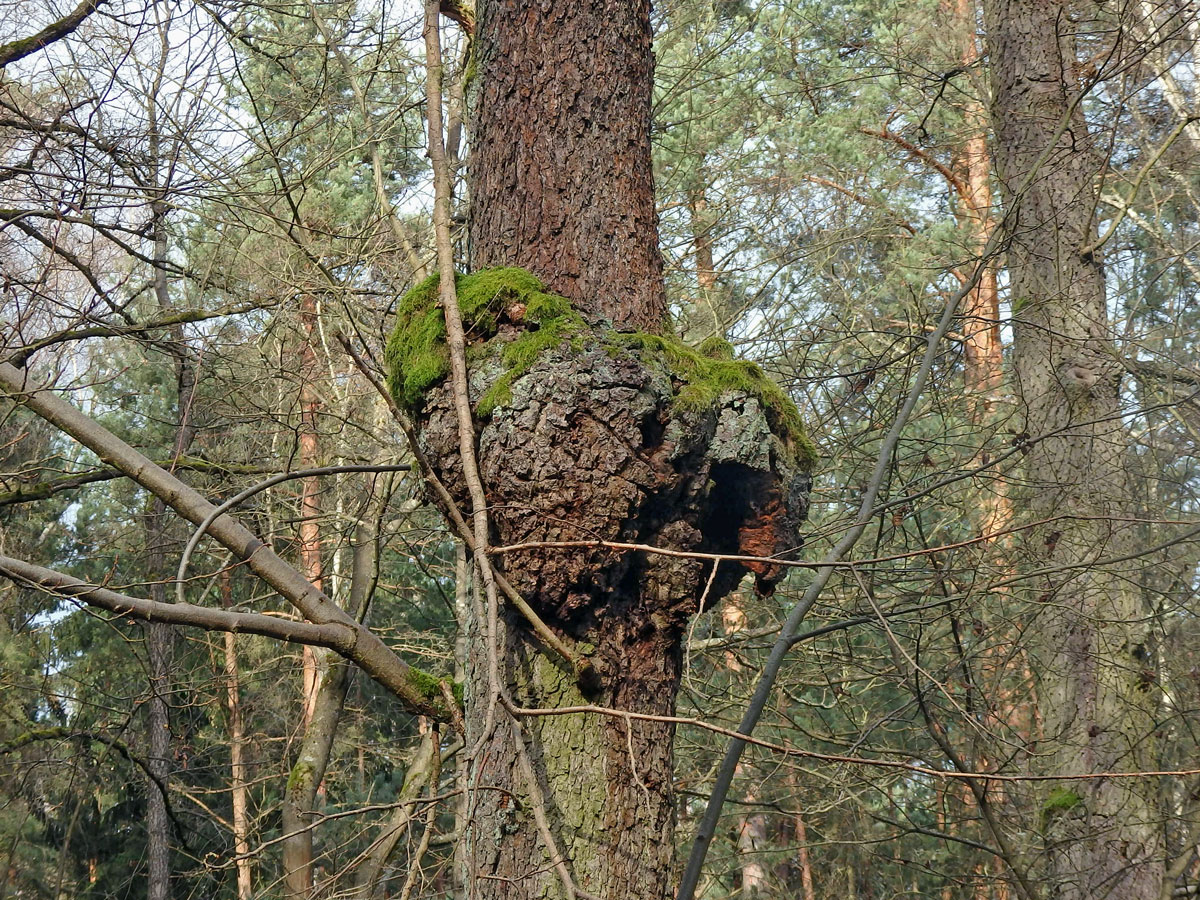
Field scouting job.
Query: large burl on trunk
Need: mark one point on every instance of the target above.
(589, 434)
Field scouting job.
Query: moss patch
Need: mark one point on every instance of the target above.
(1059, 800)
(556, 321)
(430, 687)
(301, 772)
(710, 371)
(416, 355)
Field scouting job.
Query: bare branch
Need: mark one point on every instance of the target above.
(418, 691)
(335, 636)
(55, 31)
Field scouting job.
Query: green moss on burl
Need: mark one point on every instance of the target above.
(417, 357)
(710, 371)
(416, 353)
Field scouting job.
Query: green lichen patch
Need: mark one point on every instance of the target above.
(1059, 800)
(710, 371)
(417, 357)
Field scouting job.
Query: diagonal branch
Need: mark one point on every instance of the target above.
(33, 491)
(886, 134)
(417, 690)
(334, 636)
(55, 31)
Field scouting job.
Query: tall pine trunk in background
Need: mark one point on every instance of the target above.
(1102, 837)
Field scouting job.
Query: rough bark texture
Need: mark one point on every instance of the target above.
(592, 447)
(1102, 837)
(590, 444)
(560, 174)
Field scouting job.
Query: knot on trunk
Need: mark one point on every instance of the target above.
(586, 434)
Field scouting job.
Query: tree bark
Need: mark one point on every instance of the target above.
(239, 794)
(586, 446)
(308, 772)
(560, 172)
(1102, 836)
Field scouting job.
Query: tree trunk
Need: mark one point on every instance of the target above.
(160, 637)
(308, 772)
(803, 859)
(237, 749)
(305, 779)
(309, 530)
(708, 314)
(588, 447)
(751, 844)
(589, 443)
(1102, 835)
(560, 174)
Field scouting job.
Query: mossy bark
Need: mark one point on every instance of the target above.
(593, 444)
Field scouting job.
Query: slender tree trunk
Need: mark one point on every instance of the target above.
(159, 640)
(983, 379)
(160, 637)
(803, 859)
(310, 489)
(304, 781)
(237, 750)
(308, 772)
(708, 315)
(1102, 836)
(380, 852)
(751, 842)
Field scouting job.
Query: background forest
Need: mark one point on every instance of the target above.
(209, 211)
